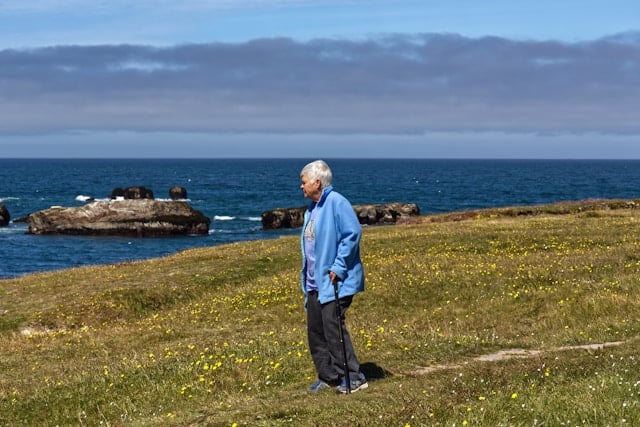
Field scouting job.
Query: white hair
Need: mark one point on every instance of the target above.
(318, 169)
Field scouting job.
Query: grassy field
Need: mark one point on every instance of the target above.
(470, 319)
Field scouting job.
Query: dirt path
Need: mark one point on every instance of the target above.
(513, 354)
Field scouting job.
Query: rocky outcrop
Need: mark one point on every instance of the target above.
(131, 217)
(132, 193)
(388, 213)
(4, 216)
(177, 193)
(283, 218)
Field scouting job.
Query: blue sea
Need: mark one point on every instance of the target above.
(235, 192)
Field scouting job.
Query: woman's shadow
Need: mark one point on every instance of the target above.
(373, 372)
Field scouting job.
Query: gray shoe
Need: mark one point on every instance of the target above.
(359, 384)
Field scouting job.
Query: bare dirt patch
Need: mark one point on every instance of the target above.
(513, 354)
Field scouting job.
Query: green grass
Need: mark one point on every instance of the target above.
(216, 336)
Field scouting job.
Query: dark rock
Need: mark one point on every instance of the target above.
(389, 213)
(117, 193)
(20, 219)
(132, 193)
(283, 218)
(135, 193)
(140, 218)
(177, 193)
(4, 216)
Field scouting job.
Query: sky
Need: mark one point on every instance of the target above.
(320, 79)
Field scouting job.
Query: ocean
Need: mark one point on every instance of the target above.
(235, 192)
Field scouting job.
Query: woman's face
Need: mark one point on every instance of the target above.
(311, 189)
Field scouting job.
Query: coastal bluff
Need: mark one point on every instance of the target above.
(371, 214)
(122, 217)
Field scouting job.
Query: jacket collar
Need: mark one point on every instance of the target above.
(325, 193)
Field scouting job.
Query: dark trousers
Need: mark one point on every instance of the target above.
(324, 340)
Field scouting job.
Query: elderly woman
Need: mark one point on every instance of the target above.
(331, 266)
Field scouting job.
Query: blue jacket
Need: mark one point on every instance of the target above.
(337, 247)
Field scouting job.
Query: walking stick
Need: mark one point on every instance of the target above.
(341, 332)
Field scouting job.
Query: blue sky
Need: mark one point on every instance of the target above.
(311, 78)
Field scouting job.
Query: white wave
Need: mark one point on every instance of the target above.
(220, 231)
(4, 199)
(13, 228)
(254, 218)
(83, 198)
(224, 218)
